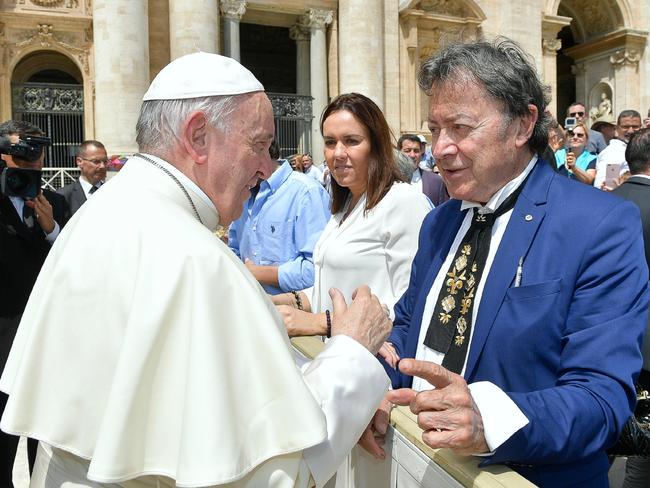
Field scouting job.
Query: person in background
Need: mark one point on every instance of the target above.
(277, 230)
(92, 162)
(427, 181)
(607, 129)
(627, 123)
(596, 139)
(637, 189)
(575, 162)
(310, 169)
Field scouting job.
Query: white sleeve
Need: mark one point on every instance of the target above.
(348, 382)
(501, 416)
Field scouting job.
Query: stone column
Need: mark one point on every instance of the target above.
(551, 25)
(301, 35)
(626, 80)
(316, 20)
(121, 70)
(232, 11)
(361, 48)
(193, 26)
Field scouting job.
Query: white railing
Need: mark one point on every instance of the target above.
(55, 178)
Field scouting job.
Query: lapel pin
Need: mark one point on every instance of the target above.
(528, 218)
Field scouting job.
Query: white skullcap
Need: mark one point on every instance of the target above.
(201, 75)
(422, 138)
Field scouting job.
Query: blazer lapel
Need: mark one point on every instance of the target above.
(524, 223)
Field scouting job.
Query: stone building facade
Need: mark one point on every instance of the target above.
(85, 64)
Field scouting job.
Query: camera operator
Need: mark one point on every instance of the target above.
(30, 221)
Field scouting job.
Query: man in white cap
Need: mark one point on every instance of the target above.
(168, 365)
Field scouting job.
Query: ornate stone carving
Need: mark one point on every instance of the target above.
(233, 9)
(578, 69)
(595, 17)
(604, 109)
(443, 37)
(453, 8)
(45, 37)
(299, 32)
(27, 98)
(551, 46)
(317, 18)
(625, 57)
(69, 4)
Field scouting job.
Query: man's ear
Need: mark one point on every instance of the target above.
(526, 126)
(78, 161)
(194, 137)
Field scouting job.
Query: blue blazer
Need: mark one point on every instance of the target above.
(565, 345)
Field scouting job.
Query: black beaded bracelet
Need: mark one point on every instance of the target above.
(296, 295)
(328, 318)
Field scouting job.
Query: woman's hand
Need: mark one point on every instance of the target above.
(388, 352)
(570, 161)
(300, 323)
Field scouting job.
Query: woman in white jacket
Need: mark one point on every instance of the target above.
(372, 236)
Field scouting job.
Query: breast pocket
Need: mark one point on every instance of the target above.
(533, 314)
(276, 240)
(536, 290)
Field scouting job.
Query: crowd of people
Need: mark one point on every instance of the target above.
(504, 303)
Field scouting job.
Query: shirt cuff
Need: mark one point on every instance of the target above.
(501, 416)
(51, 237)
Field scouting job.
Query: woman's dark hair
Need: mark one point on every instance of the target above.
(382, 169)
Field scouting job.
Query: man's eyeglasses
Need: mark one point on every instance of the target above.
(576, 114)
(96, 161)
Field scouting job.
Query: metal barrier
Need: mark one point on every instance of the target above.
(293, 119)
(55, 178)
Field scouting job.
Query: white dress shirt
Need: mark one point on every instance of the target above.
(374, 248)
(416, 179)
(614, 153)
(501, 416)
(86, 186)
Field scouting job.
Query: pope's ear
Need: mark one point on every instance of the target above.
(194, 136)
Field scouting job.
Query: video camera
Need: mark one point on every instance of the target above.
(19, 182)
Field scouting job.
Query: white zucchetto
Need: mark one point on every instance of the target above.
(201, 75)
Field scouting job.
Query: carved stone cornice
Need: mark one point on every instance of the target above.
(299, 32)
(44, 36)
(233, 9)
(625, 57)
(551, 46)
(317, 18)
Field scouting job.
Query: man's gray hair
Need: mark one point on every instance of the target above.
(160, 121)
(503, 69)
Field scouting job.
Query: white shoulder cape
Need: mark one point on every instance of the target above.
(147, 347)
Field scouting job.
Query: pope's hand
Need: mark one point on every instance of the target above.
(365, 320)
(447, 414)
(372, 439)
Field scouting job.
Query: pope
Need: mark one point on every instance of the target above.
(165, 363)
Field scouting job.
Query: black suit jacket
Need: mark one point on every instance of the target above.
(434, 187)
(22, 253)
(637, 189)
(74, 196)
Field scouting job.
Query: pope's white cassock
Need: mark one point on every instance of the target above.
(148, 351)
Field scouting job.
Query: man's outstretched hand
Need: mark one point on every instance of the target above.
(447, 414)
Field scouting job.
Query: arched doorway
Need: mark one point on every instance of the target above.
(47, 91)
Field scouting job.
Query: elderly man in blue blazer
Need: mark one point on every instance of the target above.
(529, 293)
